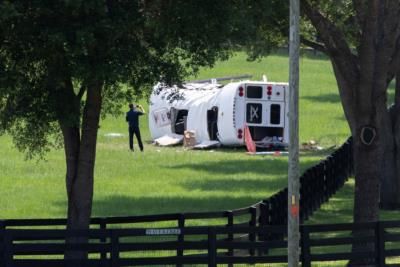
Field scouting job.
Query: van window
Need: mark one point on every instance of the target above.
(254, 91)
(275, 116)
(178, 119)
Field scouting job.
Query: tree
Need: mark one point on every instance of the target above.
(65, 63)
(363, 75)
(363, 45)
(362, 40)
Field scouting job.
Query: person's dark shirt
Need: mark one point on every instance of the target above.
(132, 117)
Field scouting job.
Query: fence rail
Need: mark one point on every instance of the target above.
(207, 246)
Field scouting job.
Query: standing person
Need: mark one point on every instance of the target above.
(132, 117)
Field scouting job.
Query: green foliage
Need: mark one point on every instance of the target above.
(341, 12)
(267, 26)
(51, 51)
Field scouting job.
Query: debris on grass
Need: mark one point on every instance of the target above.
(311, 145)
(113, 135)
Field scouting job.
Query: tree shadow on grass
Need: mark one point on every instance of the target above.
(262, 165)
(326, 98)
(124, 205)
(339, 209)
(341, 118)
(269, 186)
(304, 53)
(121, 205)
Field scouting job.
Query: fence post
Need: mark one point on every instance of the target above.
(103, 226)
(7, 249)
(114, 249)
(336, 173)
(264, 220)
(327, 178)
(380, 244)
(181, 236)
(352, 155)
(212, 247)
(349, 158)
(284, 198)
(305, 205)
(2, 243)
(343, 163)
(230, 235)
(305, 247)
(252, 223)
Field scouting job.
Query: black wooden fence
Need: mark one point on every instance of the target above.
(200, 246)
(317, 184)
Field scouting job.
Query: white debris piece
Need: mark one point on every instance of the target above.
(169, 140)
(207, 144)
(113, 135)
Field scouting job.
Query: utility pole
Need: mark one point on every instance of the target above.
(293, 169)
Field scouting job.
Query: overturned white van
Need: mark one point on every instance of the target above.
(221, 112)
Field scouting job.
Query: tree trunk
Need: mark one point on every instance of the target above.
(396, 134)
(367, 182)
(369, 149)
(80, 159)
(366, 194)
(363, 81)
(71, 147)
(395, 115)
(389, 180)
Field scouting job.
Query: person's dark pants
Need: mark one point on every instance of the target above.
(135, 131)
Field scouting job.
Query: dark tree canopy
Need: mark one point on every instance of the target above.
(46, 45)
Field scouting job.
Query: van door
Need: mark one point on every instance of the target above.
(265, 112)
(212, 123)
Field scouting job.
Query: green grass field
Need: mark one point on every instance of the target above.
(164, 180)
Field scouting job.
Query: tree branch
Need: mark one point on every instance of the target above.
(335, 44)
(394, 33)
(397, 89)
(312, 44)
(386, 44)
(367, 52)
(359, 7)
(82, 90)
(344, 62)
(394, 64)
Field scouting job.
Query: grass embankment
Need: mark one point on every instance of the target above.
(164, 180)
